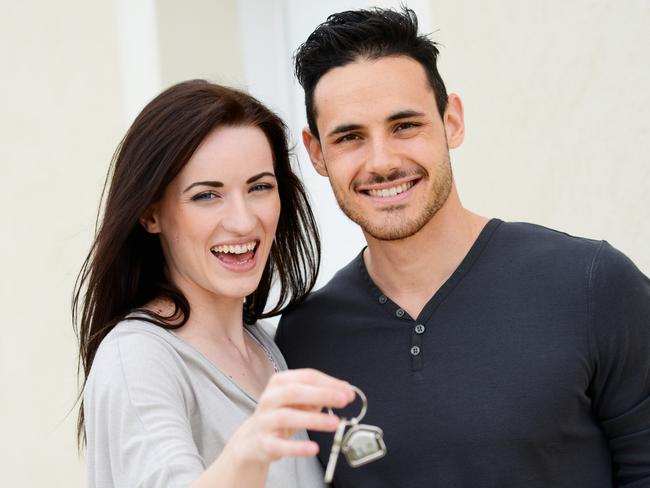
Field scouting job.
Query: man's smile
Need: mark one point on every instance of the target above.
(390, 191)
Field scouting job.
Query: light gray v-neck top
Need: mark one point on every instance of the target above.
(158, 412)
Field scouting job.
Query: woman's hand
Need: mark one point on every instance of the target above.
(292, 401)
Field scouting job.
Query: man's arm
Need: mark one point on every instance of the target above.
(620, 386)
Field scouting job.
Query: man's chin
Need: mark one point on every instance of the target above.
(391, 226)
(391, 233)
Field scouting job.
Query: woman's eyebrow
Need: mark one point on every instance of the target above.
(219, 184)
(258, 176)
(214, 184)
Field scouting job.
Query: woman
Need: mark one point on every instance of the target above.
(182, 383)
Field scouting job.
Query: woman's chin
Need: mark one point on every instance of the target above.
(238, 290)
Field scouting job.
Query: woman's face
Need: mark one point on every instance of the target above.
(217, 218)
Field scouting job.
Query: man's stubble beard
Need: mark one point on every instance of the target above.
(398, 227)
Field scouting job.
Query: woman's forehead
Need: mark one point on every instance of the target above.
(231, 153)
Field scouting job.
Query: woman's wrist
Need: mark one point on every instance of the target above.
(235, 466)
(242, 453)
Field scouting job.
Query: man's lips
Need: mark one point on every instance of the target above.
(389, 191)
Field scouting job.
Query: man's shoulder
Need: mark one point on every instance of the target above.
(340, 289)
(541, 233)
(546, 252)
(538, 242)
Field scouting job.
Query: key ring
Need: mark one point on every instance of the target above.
(362, 444)
(364, 407)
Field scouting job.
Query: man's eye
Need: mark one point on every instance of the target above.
(346, 138)
(406, 125)
(205, 196)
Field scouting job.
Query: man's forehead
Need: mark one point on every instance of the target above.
(371, 87)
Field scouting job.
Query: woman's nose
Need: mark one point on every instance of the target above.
(240, 218)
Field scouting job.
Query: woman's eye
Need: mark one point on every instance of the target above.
(205, 196)
(262, 187)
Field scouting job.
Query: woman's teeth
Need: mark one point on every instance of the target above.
(392, 191)
(236, 249)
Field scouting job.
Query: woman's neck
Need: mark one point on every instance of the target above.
(212, 319)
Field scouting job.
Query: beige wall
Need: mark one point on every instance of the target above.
(199, 39)
(62, 117)
(60, 123)
(557, 111)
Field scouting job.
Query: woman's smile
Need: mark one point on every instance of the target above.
(237, 257)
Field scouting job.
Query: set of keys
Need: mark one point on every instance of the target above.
(361, 445)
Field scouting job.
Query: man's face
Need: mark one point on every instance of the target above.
(384, 145)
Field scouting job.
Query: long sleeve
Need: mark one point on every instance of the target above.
(620, 388)
(137, 425)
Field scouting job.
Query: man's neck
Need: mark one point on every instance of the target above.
(411, 270)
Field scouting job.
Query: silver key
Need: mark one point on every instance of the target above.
(336, 449)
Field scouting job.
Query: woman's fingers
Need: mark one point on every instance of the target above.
(276, 448)
(291, 402)
(308, 388)
(288, 420)
(295, 394)
(308, 376)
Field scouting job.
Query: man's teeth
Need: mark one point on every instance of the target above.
(392, 191)
(236, 249)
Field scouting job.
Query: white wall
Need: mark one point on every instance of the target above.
(557, 126)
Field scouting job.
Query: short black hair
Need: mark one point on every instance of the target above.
(348, 36)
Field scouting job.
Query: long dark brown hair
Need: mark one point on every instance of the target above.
(125, 268)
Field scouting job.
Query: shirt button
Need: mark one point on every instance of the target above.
(415, 350)
(399, 312)
(419, 329)
(383, 299)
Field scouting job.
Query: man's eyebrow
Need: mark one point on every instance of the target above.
(258, 176)
(214, 184)
(404, 114)
(344, 128)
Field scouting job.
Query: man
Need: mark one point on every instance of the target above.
(493, 354)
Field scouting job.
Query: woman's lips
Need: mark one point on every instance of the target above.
(241, 261)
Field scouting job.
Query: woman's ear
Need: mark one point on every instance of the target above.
(150, 220)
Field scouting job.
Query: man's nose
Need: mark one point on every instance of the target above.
(382, 159)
